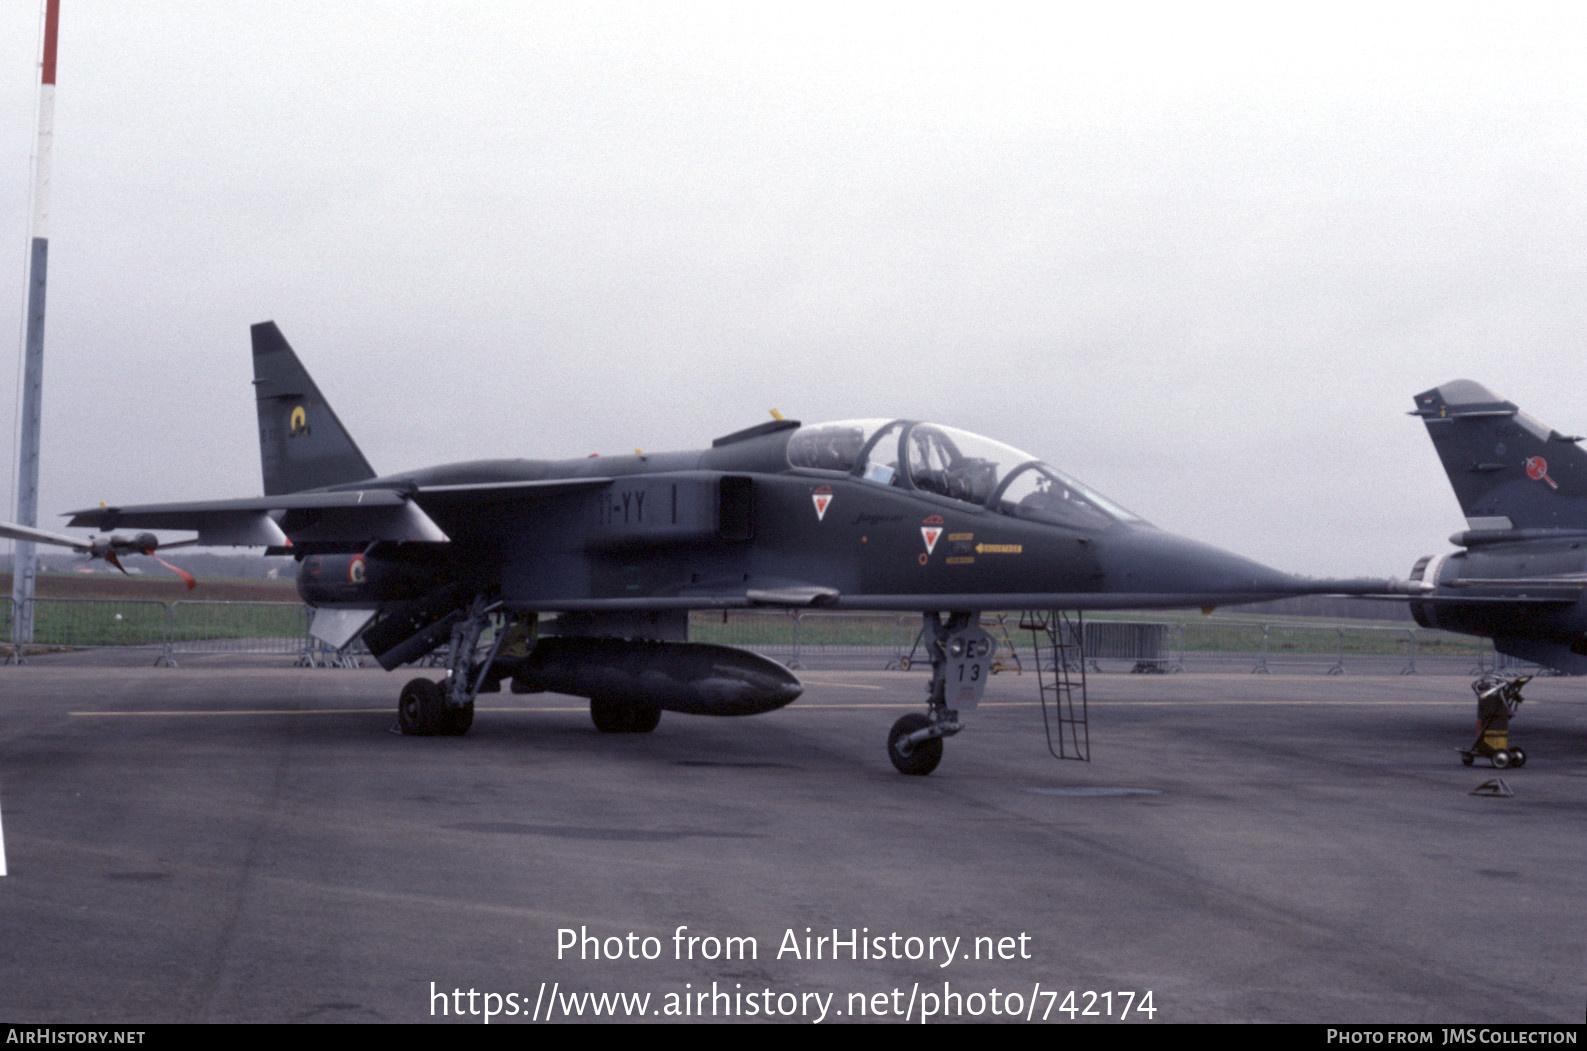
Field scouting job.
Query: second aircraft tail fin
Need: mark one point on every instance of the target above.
(1508, 470)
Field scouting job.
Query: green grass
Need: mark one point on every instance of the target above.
(196, 621)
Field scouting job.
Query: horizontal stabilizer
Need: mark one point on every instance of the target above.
(347, 516)
(215, 526)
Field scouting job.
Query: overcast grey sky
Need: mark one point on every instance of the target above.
(1199, 256)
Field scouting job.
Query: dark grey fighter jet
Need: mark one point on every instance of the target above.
(859, 515)
(1520, 575)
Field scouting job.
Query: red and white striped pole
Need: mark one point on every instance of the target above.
(24, 567)
(41, 166)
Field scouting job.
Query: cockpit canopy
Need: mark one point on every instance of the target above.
(930, 458)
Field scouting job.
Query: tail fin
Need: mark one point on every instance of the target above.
(1508, 470)
(302, 445)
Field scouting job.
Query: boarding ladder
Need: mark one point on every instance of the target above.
(1059, 642)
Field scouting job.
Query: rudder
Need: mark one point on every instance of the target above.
(302, 445)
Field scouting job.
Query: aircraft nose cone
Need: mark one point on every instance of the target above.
(1153, 562)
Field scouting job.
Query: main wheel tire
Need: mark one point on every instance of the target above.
(420, 709)
(611, 716)
(455, 722)
(921, 759)
(643, 718)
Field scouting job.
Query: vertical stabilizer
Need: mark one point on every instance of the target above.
(302, 445)
(1508, 470)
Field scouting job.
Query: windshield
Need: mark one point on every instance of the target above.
(1044, 494)
(930, 458)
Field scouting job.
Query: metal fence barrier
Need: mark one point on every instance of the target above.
(171, 630)
(238, 627)
(166, 630)
(1265, 646)
(1142, 643)
(78, 623)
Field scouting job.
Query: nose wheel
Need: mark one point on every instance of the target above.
(961, 660)
(909, 752)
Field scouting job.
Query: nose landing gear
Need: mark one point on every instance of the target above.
(961, 660)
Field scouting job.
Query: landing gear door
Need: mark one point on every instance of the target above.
(970, 652)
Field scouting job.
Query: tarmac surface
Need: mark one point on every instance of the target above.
(236, 840)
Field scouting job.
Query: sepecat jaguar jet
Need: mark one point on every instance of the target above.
(469, 559)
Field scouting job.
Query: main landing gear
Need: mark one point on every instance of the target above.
(423, 710)
(446, 709)
(961, 660)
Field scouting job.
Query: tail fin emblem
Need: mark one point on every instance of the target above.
(300, 422)
(1537, 470)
